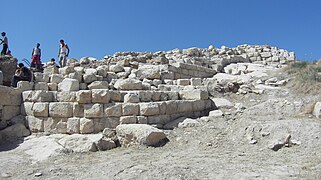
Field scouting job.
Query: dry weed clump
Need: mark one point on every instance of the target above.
(306, 77)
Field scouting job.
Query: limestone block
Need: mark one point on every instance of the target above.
(128, 120)
(131, 98)
(66, 96)
(25, 85)
(100, 96)
(162, 107)
(130, 109)
(89, 78)
(188, 122)
(26, 108)
(145, 96)
(184, 106)
(68, 85)
(147, 86)
(76, 75)
(196, 81)
(183, 82)
(41, 86)
(128, 84)
(140, 134)
(266, 54)
(156, 95)
(115, 96)
(216, 113)
(171, 107)
(9, 96)
(99, 124)
(116, 68)
(14, 132)
(9, 112)
(98, 85)
(113, 110)
(102, 70)
(86, 126)
(83, 86)
(158, 119)
(56, 78)
(93, 110)
(41, 77)
(172, 95)
(196, 94)
(148, 72)
(198, 105)
(111, 122)
(222, 103)
(142, 120)
(35, 124)
(52, 86)
(149, 109)
(51, 70)
(51, 123)
(61, 127)
(78, 109)
(40, 109)
(73, 125)
(84, 96)
(61, 109)
(79, 69)
(66, 70)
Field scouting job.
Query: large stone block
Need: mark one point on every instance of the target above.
(52, 86)
(38, 96)
(41, 77)
(93, 110)
(98, 85)
(35, 124)
(113, 110)
(66, 96)
(131, 98)
(68, 85)
(66, 70)
(100, 96)
(86, 126)
(61, 109)
(140, 134)
(41, 86)
(115, 96)
(89, 78)
(78, 109)
(26, 108)
(128, 120)
(184, 106)
(195, 94)
(149, 109)
(56, 78)
(73, 125)
(25, 85)
(128, 84)
(130, 109)
(9, 96)
(145, 96)
(171, 107)
(41, 109)
(50, 124)
(84, 96)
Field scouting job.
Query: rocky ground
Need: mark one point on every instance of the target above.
(265, 136)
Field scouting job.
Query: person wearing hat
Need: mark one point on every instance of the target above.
(4, 42)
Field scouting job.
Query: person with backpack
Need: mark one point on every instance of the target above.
(22, 74)
(4, 42)
(35, 57)
(63, 53)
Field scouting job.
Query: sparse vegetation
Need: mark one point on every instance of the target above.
(306, 76)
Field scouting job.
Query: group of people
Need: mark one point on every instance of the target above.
(23, 73)
(63, 52)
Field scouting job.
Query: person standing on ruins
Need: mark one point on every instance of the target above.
(4, 42)
(35, 57)
(63, 53)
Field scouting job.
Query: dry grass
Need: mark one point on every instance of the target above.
(306, 77)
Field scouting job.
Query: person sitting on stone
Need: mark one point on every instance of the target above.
(22, 74)
(52, 63)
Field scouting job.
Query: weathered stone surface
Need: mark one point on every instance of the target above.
(80, 143)
(98, 85)
(184, 106)
(149, 109)
(52, 86)
(130, 109)
(38, 96)
(89, 78)
(56, 78)
(14, 132)
(61, 109)
(66, 70)
(148, 72)
(131, 98)
(66, 96)
(100, 96)
(196, 94)
(78, 109)
(35, 124)
(216, 113)
(113, 110)
(41, 86)
(222, 103)
(183, 82)
(86, 126)
(73, 125)
(68, 85)
(9, 96)
(84, 96)
(116, 68)
(9, 112)
(128, 120)
(93, 110)
(41, 77)
(317, 109)
(128, 84)
(25, 85)
(188, 123)
(140, 134)
(115, 96)
(40, 109)
(171, 107)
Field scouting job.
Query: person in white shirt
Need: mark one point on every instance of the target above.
(35, 56)
(4, 42)
(63, 53)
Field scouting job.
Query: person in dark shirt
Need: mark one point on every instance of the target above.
(22, 74)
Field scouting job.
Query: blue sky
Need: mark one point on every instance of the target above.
(102, 27)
